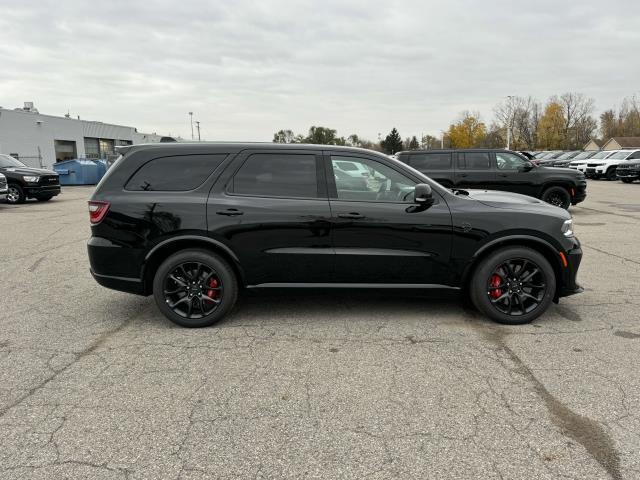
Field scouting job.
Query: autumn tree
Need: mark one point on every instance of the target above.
(468, 131)
(551, 127)
(519, 116)
(623, 121)
(579, 123)
(392, 142)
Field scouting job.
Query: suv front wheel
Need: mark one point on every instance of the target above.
(513, 285)
(558, 196)
(195, 288)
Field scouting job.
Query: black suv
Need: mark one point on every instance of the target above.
(499, 170)
(193, 223)
(27, 182)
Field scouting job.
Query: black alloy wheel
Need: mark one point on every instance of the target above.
(611, 174)
(195, 288)
(557, 196)
(516, 287)
(513, 285)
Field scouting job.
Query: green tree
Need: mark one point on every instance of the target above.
(283, 136)
(321, 136)
(413, 144)
(392, 142)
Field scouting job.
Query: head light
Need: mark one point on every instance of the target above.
(567, 228)
(31, 179)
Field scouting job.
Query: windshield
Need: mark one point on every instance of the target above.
(7, 161)
(620, 155)
(583, 155)
(602, 154)
(565, 155)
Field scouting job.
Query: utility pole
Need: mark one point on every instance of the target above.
(198, 128)
(442, 139)
(191, 115)
(509, 97)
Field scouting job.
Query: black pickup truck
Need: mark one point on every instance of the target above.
(499, 170)
(27, 182)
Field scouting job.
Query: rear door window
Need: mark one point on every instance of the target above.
(174, 174)
(277, 175)
(430, 161)
(474, 161)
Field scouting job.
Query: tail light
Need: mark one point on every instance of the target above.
(97, 211)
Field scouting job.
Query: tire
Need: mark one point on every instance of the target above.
(611, 174)
(626, 180)
(44, 199)
(15, 195)
(173, 284)
(558, 196)
(495, 300)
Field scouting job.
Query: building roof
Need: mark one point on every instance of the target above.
(627, 142)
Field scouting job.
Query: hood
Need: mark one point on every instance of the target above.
(27, 171)
(515, 201)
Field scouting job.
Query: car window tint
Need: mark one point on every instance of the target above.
(277, 175)
(380, 183)
(474, 161)
(509, 161)
(635, 156)
(179, 173)
(430, 161)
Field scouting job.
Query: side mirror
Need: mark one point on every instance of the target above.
(526, 167)
(422, 195)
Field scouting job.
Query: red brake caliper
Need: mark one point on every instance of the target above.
(495, 281)
(213, 283)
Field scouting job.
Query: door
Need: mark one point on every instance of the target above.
(272, 211)
(379, 235)
(474, 170)
(515, 174)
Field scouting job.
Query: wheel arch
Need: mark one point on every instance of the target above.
(164, 249)
(535, 243)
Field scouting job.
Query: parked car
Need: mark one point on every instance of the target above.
(353, 169)
(566, 163)
(499, 170)
(193, 223)
(607, 167)
(628, 171)
(353, 183)
(581, 165)
(27, 182)
(564, 159)
(3, 187)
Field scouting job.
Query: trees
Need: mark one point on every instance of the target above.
(284, 136)
(392, 142)
(520, 115)
(579, 125)
(622, 122)
(321, 136)
(468, 131)
(413, 143)
(429, 142)
(551, 127)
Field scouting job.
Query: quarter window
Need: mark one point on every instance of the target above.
(277, 175)
(474, 161)
(171, 174)
(509, 161)
(380, 184)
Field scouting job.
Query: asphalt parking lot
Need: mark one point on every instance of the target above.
(98, 384)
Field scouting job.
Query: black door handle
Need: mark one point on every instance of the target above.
(230, 212)
(351, 215)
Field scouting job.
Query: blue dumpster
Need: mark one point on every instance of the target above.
(102, 168)
(77, 172)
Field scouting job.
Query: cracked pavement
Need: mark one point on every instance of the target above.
(98, 384)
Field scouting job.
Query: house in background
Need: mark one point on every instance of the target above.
(592, 144)
(622, 143)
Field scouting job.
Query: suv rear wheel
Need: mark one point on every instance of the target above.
(558, 196)
(514, 285)
(195, 288)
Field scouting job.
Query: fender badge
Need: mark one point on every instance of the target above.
(466, 227)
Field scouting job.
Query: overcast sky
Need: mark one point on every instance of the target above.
(249, 68)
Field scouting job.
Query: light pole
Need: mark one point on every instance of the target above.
(191, 117)
(442, 139)
(198, 128)
(509, 97)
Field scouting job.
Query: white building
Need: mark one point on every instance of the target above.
(41, 140)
